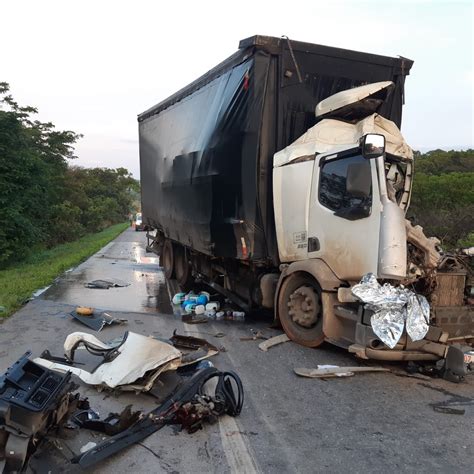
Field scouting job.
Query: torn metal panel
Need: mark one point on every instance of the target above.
(114, 423)
(428, 245)
(273, 341)
(132, 364)
(96, 321)
(133, 358)
(326, 371)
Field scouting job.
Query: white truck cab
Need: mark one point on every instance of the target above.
(341, 191)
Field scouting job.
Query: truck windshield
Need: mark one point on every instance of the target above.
(345, 186)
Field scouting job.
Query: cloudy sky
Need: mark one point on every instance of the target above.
(92, 66)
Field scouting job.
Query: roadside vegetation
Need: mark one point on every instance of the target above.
(443, 196)
(18, 282)
(44, 200)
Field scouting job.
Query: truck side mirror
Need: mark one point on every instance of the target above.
(359, 180)
(372, 145)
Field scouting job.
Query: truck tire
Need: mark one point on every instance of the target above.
(167, 259)
(182, 268)
(300, 310)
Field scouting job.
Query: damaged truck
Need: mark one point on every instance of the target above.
(281, 179)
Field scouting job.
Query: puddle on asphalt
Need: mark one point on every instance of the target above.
(147, 293)
(157, 292)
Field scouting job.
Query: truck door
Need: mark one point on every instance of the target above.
(344, 214)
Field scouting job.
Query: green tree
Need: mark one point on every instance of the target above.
(44, 200)
(443, 195)
(33, 159)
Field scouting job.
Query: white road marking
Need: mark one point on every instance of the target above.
(238, 455)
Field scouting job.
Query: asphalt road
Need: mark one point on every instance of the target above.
(366, 423)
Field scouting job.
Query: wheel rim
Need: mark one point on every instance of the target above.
(300, 310)
(304, 307)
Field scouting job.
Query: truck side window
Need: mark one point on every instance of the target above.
(345, 186)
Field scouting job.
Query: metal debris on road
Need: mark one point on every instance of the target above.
(329, 371)
(114, 423)
(273, 341)
(189, 407)
(97, 322)
(133, 364)
(106, 284)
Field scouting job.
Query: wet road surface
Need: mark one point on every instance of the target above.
(124, 259)
(369, 422)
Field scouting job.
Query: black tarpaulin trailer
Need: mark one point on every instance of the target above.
(206, 152)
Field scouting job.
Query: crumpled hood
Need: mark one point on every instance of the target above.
(336, 135)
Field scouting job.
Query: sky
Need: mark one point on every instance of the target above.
(93, 66)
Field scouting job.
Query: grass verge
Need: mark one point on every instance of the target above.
(18, 282)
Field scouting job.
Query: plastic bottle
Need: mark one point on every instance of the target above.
(189, 307)
(199, 309)
(179, 298)
(213, 306)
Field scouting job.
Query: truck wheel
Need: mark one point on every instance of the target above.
(167, 259)
(300, 310)
(182, 268)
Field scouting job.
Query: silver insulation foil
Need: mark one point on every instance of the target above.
(418, 316)
(394, 308)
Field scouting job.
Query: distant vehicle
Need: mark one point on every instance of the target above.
(139, 222)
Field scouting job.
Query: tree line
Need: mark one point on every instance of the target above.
(44, 199)
(443, 196)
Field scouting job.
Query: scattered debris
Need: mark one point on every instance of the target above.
(449, 410)
(273, 341)
(255, 335)
(88, 446)
(197, 308)
(189, 407)
(113, 424)
(458, 362)
(106, 284)
(131, 365)
(328, 371)
(194, 319)
(33, 401)
(95, 321)
(394, 307)
(217, 334)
